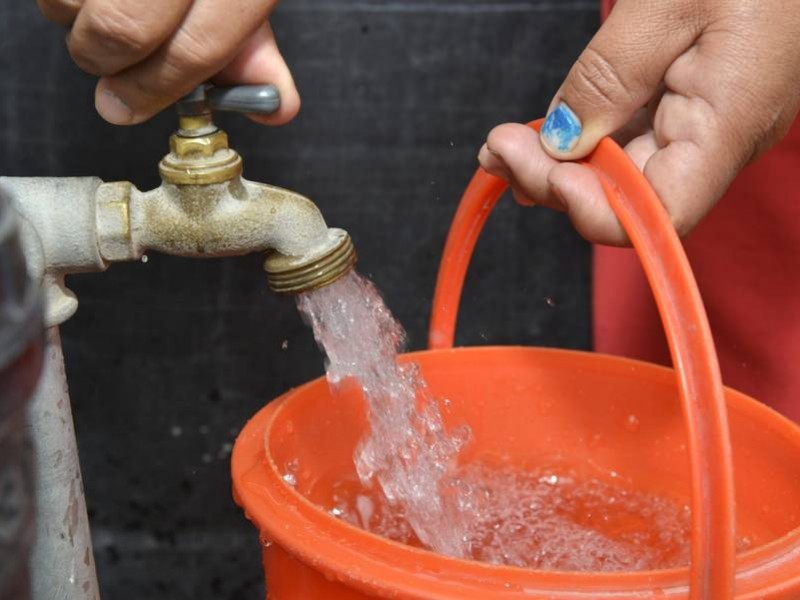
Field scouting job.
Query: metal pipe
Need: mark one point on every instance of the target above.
(20, 363)
(80, 224)
(62, 563)
(203, 208)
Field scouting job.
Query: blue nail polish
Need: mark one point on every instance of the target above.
(561, 129)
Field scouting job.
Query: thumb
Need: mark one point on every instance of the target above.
(260, 61)
(617, 73)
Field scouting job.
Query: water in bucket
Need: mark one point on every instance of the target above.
(541, 518)
(412, 488)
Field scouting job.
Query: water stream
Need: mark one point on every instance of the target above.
(407, 453)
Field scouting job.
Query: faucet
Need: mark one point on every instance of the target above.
(203, 208)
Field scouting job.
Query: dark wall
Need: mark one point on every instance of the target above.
(167, 359)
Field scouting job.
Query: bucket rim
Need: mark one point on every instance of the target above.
(351, 554)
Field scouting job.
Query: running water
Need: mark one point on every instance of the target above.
(407, 452)
(411, 488)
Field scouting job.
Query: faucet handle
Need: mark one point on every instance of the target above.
(257, 99)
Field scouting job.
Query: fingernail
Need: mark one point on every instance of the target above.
(113, 109)
(562, 129)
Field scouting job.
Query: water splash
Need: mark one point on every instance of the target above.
(546, 519)
(407, 452)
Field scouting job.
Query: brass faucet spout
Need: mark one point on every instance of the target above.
(205, 208)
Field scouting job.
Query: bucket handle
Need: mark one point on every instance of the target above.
(683, 316)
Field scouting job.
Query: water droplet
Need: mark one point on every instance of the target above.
(224, 450)
(144, 258)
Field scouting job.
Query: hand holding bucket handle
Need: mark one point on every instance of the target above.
(649, 228)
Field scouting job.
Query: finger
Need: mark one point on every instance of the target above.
(513, 152)
(62, 12)
(260, 61)
(111, 35)
(198, 50)
(697, 162)
(580, 191)
(715, 118)
(642, 148)
(618, 73)
(493, 163)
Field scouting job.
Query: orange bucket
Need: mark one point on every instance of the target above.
(539, 405)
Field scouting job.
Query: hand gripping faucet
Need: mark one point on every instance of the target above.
(203, 208)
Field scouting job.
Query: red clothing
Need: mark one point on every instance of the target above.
(746, 258)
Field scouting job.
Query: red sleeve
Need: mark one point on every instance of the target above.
(605, 8)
